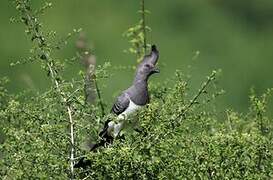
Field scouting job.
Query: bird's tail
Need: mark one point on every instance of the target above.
(104, 139)
(83, 163)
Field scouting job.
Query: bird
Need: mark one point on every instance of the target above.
(133, 98)
(129, 101)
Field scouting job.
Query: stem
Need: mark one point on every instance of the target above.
(143, 25)
(69, 112)
(260, 117)
(175, 122)
(72, 150)
(204, 86)
(99, 96)
(33, 27)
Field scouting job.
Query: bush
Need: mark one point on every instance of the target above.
(175, 142)
(199, 146)
(181, 137)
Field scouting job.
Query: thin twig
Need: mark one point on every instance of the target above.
(175, 122)
(33, 27)
(99, 96)
(69, 111)
(86, 177)
(143, 25)
(72, 151)
(201, 91)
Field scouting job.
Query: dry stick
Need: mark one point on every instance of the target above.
(89, 89)
(31, 23)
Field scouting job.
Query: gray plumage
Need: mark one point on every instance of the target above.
(138, 92)
(135, 96)
(131, 99)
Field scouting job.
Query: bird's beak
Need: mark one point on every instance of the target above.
(156, 70)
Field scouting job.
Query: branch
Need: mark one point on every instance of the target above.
(175, 122)
(43, 50)
(99, 96)
(143, 25)
(199, 93)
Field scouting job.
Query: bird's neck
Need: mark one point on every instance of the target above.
(139, 91)
(140, 79)
(141, 86)
(141, 83)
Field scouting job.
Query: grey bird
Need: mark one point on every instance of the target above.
(133, 98)
(130, 100)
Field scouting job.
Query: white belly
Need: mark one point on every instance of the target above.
(131, 109)
(115, 128)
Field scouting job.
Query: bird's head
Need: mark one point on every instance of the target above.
(149, 69)
(150, 58)
(148, 65)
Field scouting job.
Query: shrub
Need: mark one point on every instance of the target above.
(181, 137)
(195, 145)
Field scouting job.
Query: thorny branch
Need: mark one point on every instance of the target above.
(33, 29)
(175, 121)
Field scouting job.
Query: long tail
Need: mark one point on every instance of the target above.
(105, 139)
(84, 162)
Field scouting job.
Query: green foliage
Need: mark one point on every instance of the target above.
(200, 146)
(137, 35)
(3, 92)
(182, 136)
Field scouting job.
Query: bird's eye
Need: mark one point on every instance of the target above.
(147, 65)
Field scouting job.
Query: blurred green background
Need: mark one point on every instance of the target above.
(234, 35)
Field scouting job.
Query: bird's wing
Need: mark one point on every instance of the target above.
(121, 104)
(119, 107)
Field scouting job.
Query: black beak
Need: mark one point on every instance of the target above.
(156, 70)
